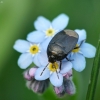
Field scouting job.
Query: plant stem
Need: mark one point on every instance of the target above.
(94, 75)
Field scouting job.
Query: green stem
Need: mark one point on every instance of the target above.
(94, 75)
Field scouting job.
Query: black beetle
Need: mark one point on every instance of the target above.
(61, 45)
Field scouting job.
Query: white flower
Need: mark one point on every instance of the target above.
(81, 51)
(46, 29)
(30, 53)
(52, 70)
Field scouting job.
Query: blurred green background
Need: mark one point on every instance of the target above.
(16, 21)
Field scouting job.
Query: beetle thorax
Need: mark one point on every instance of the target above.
(55, 53)
(56, 49)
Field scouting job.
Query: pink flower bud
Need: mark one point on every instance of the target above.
(69, 86)
(29, 74)
(37, 86)
(59, 90)
(32, 71)
(68, 74)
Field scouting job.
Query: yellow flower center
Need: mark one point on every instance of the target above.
(53, 66)
(34, 49)
(76, 49)
(50, 32)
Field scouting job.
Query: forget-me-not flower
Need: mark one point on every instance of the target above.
(52, 70)
(45, 30)
(39, 86)
(81, 51)
(30, 53)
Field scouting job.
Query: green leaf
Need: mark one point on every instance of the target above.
(94, 75)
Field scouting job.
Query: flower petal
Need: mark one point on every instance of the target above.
(82, 35)
(56, 79)
(21, 46)
(43, 59)
(60, 22)
(25, 60)
(42, 75)
(42, 23)
(88, 50)
(36, 60)
(45, 43)
(66, 66)
(36, 36)
(78, 62)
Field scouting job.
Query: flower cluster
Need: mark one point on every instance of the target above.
(40, 86)
(34, 49)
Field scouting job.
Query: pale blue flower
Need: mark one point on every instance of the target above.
(52, 71)
(45, 30)
(82, 50)
(30, 53)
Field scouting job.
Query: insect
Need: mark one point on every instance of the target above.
(61, 45)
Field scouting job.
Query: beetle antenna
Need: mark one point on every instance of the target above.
(57, 74)
(80, 44)
(44, 69)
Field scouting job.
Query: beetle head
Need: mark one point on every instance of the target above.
(55, 52)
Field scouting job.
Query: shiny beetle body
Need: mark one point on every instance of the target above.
(61, 45)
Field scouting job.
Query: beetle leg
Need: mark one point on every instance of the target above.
(69, 59)
(79, 45)
(60, 64)
(82, 42)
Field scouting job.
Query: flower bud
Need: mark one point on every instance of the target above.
(68, 74)
(38, 86)
(29, 74)
(59, 91)
(69, 86)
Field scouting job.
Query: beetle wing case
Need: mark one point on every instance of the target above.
(66, 39)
